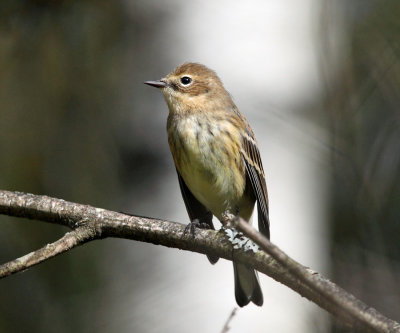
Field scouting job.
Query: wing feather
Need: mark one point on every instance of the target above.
(196, 210)
(255, 172)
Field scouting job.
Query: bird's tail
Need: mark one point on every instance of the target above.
(247, 286)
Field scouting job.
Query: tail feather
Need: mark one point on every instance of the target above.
(212, 259)
(247, 286)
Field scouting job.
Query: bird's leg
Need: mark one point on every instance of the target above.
(192, 227)
(228, 222)
(197, 223)
(228, 219)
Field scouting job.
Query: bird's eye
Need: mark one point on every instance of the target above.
(186, 80)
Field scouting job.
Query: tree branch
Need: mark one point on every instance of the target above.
(90, 223)
(70, 240)
(343, 302)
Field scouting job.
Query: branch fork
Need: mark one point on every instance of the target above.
(89, 223)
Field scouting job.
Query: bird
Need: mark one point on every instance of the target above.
(217, 159)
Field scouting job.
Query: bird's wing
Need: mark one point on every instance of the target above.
(255, 172)
(196, 210)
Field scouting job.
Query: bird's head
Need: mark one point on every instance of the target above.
(191, 85)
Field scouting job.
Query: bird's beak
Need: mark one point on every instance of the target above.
(157, 84)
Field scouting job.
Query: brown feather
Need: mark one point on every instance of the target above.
(254, 168)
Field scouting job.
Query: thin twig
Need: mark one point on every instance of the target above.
(70, 240)
(226, 327)
(344, 302)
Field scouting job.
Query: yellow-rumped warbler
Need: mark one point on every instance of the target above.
(216, 157)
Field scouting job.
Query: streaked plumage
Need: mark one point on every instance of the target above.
(216, 157)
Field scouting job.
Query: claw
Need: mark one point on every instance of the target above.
(193, 225)
(192, 228)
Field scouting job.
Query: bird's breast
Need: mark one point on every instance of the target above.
(206, 152)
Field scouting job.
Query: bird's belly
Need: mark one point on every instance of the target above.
(212, 183)
(218, 192)
(205, 189)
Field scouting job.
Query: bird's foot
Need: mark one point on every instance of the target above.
(228, 219)
(191, 227)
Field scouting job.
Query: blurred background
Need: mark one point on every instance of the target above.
(318, 80)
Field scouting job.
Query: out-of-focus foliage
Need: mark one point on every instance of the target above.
(364, 120)
(62, 108)
(74, 124)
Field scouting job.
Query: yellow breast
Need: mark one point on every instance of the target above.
(208, 158)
